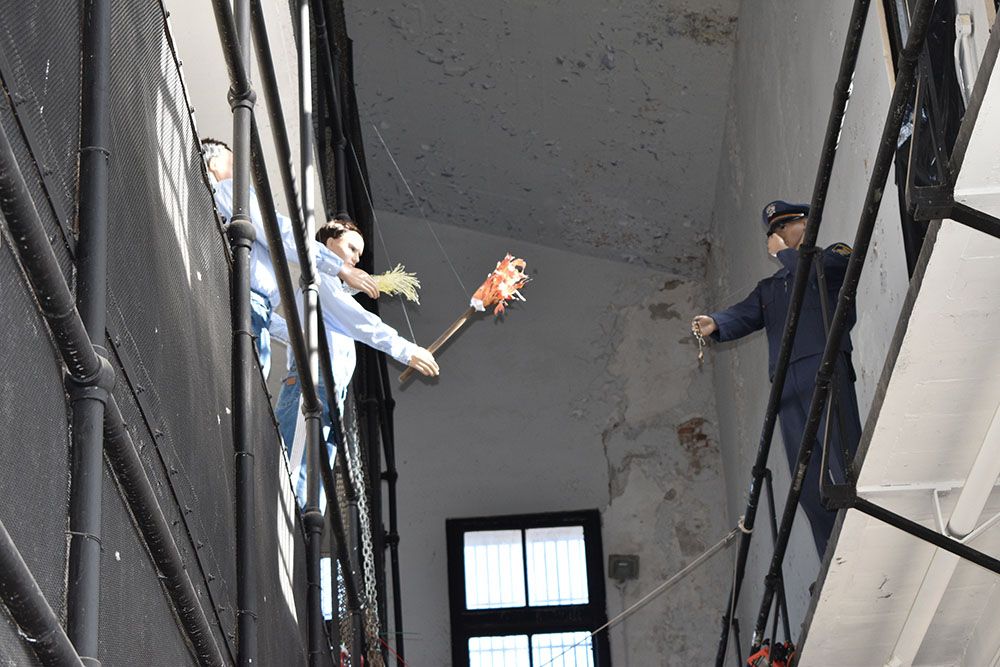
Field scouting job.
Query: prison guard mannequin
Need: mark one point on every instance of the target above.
(766, 307)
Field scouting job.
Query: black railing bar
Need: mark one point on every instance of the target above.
(271, 227)
(782, 603)
(56, 304)
(328, 73)
(241, 234)
(901, 97)
(841, 97)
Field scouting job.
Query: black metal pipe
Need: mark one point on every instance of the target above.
(782, 603)
(311, 403)
(928, 535)
(84, 365)
(29, 609)
(87, 400)
(315, 447)
(155, 529)
(241, 238)
(838, 108)
(329, 66)
(901, 96)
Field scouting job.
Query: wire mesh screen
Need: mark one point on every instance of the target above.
(40, 59)
(34, 447)
(170, 338)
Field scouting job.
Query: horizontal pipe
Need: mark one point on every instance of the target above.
(30, 610)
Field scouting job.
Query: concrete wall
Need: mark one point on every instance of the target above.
(787, 58)
(587, 396)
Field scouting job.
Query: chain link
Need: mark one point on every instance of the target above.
(370, 609)
(696, 331)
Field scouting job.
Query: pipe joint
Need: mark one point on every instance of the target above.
(312, 520)
(241, 232)
(392, 540)
(97, 386)
(390, 476)
(242, 99)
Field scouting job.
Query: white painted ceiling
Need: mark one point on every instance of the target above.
(592, 125)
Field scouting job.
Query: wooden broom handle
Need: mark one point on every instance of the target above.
(441, 340)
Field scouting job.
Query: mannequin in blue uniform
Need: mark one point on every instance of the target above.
(766, 308)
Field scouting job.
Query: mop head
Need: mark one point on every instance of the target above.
(398, 281)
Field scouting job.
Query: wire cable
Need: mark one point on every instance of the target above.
(378, 230)
(420, 208)
(665, 586)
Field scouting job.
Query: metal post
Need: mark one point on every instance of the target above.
(315, 446)
(841, 96)
(901, 97)
(330, 65)
(88, 399)
(241, 238)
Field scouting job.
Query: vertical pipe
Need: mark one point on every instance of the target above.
(838, 109)
(52, 295)
(241, 238)
(901, 98)
(88, 399)
(313, 517)
(329, 65)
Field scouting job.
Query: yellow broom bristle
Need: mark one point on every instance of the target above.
(398, 281)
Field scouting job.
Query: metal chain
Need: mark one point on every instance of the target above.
(696, 330)
(370, 611)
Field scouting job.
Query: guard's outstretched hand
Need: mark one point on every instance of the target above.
(423, 362)
(704, 325)
(359, 280)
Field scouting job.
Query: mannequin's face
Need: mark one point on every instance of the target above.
(348, 247)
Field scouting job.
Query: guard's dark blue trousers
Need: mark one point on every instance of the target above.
(846, 431)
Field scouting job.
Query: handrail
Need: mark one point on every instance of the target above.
(807, 251)
(905, 80)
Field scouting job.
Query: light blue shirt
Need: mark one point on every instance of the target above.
(262, 278)
(347, 321)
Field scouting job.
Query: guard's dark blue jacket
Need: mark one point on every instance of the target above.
(767, 306)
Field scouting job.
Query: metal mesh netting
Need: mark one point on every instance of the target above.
(40, 59)
(170, 337)
(34, 447)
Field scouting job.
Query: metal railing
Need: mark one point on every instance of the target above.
(838, 496)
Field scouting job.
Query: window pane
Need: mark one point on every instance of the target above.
(557, 566)
(499, 651)
(565, 649)
(494, 569)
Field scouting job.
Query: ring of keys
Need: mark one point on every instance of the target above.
(696, 331)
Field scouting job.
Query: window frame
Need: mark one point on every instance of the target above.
(527, 620)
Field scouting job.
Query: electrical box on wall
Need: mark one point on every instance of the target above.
(623, 567)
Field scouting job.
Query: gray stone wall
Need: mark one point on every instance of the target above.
(787, 58)
(589, 395)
